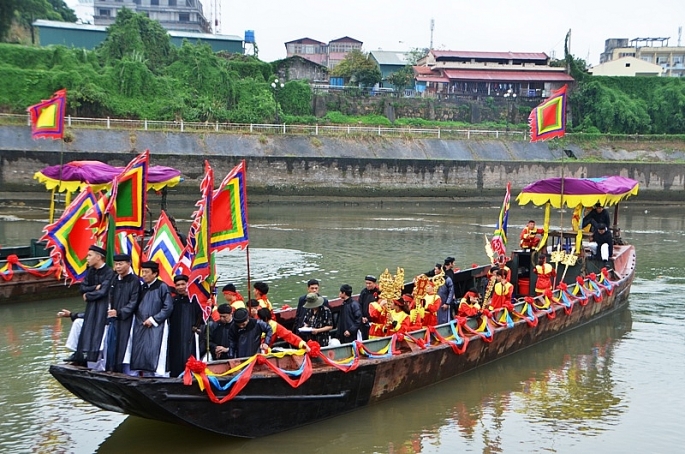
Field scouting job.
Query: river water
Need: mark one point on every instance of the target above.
(613, 386)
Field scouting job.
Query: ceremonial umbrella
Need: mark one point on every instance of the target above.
(76, 175)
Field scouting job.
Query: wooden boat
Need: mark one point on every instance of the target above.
(27, 272)
(379, 369)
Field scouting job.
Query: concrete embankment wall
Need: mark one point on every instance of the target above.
(346, 166)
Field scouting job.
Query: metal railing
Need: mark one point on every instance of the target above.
(271, 129)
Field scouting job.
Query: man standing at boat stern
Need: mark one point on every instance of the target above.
(95, 290)
(150, 328)
(350, 316)
(185, 327)
(123, 303)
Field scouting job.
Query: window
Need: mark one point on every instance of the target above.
(184, 17)
(627, 65)
(154, 2)
(647, 58)
(172, 2)
(104, 12)
(137, 2)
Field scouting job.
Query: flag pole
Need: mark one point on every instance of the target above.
(247, 248)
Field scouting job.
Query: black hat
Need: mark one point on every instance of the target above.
(601, 226)
(370, 278)
(122, 258)
(224, 309)
(228, 288)
(181, 277)
(98, 249)
(253, 303)
(449, 260)
(150, 265)
(240, 315)
(598, 205)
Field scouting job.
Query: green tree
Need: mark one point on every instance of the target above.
(7, 8)
(402, 79)
(358, 68)
(415, 55)
(132, 33)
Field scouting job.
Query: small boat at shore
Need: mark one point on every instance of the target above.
(28, 272)
(266, 394)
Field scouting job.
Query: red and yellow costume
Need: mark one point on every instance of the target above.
(545, 274)
(377, 320)
(466, 309)
(529, 239)
(432, 304)
(502, 293)
(264, 302)
(238, 301)
(401, 322)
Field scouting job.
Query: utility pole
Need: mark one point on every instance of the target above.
(432, 28)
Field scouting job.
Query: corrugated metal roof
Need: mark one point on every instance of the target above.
(507, 76)
(490, 55)
(385, 57)
(100, 28)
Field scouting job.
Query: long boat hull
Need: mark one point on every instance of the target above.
(268, 404)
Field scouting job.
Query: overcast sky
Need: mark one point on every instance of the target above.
(487, 25)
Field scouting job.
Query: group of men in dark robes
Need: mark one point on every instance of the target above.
(133, 326)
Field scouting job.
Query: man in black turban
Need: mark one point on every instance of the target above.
(185, 328)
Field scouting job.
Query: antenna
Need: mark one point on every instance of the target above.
(432, 28)
(680, 34)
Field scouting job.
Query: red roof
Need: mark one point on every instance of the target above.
(507, 76)
(423, 70)
(432, 79)
(491, 55)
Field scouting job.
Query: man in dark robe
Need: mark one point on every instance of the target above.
(245, 336)
(367, 296)
(598, 215)
(350, 316)
(218, 333)
(95, 290)
(123, 303)
(602, 244)
(150, 329)
(185, 323)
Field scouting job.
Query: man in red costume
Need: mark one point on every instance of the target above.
(529, 239)
(502, 291)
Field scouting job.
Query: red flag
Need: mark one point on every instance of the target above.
(548, 120)
(47, 117)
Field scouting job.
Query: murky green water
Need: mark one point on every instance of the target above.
(610, 387)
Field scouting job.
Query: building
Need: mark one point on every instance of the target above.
(299, 68)
(179, 15)
(339, 48)
(388, 62)
(627, 66)
(309, 49)
(90, 36)
(321, 53)
(448, 73)
(652, 50)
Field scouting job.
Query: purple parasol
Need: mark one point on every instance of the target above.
(578, 191)
(76, 175)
